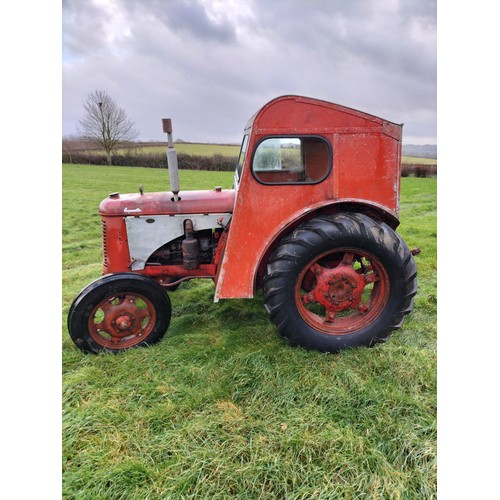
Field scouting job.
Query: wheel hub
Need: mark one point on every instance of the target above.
(121, 321)
(124, 322)
(340, 288)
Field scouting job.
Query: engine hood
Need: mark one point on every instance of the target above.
(191, 202)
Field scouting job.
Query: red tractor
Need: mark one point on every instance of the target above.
(311, 219)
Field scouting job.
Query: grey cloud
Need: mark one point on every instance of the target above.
(182, 15)
(359, 32)
(211, 75)
(84, 28)
(188, 18)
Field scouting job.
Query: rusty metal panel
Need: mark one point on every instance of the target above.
(115, 245)
(191, 202)
(366, 168)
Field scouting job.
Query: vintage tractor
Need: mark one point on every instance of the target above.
(310, 219)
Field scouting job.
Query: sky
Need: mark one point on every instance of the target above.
(211, 64)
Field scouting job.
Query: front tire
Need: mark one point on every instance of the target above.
(117, 312)
(340, 281)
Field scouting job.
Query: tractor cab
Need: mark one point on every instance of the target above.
(301, 158)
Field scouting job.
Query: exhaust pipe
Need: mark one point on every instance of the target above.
(173, 170)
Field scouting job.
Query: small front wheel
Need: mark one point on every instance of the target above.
(340, 281)
(117, 312)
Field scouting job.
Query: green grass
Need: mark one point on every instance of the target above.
(222, 407)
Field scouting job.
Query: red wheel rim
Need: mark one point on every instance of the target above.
(122, 320)
(342, 291)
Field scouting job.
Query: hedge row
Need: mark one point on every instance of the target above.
(418, 170)
(217, 163)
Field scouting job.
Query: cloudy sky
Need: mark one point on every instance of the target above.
(210, 64)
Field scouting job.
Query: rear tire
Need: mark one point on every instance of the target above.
(117, 312)
(340, 281)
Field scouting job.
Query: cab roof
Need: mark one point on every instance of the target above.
(299, 114)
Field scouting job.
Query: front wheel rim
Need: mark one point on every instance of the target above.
(342, 291)
(120, 321)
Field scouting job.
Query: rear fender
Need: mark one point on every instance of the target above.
(374, 211)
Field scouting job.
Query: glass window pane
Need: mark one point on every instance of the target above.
(291, 160)
(241, 159)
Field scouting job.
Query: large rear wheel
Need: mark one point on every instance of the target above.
(340, 281)
(117, 312)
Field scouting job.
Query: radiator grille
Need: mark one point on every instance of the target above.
(104, 247)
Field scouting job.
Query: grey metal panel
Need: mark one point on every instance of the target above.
(145, 236)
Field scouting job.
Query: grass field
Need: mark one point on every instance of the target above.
(187, 148)
(416, 159)
(222, 407)
(191, 149)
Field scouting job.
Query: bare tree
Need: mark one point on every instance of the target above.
(104, 123)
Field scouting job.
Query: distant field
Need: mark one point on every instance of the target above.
(415, 159)
(223, 407)
(191, 149)
(202, 150)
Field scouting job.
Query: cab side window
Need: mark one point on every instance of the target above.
(291, 160)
